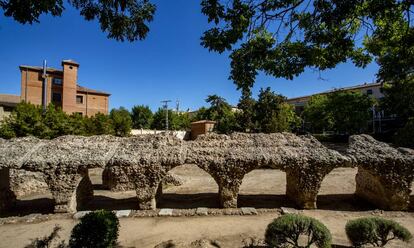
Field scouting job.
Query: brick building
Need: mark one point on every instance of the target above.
(63, 89)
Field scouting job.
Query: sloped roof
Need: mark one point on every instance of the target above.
(91, 91)
(39, 68)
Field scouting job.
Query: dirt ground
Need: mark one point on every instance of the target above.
(261, 189)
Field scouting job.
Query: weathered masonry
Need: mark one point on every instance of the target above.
(384, 173)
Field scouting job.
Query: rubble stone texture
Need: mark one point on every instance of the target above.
(384, 177)
(384, 174)
(115, 179)
(25, 183)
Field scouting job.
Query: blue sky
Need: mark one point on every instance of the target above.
(169, 64)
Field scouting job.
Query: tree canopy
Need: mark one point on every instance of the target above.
(272, 114)
(283, 38)
(120, 19)
(141, 116)
(340, 111)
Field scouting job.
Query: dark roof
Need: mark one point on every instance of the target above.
(9, 100)
(91, 91)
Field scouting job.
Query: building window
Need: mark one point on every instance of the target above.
(79, 113)
(57, 81)
(56, 97)
(369, 92)
(79, 99)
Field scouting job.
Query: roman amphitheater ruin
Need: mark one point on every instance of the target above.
(384, 174)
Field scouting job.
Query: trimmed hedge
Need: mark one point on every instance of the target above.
(375, 231)
(98, 229)
(286, 231)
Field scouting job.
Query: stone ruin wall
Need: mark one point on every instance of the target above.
(142, 163)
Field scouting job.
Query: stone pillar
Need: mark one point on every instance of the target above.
(71, 191)
(7, 197)
(147, 197)
(303, 188)
(381, 191)
(146, 180)
(228, 195)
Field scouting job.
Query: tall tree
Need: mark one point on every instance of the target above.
(121, 121)
(272, 114)
(283, 38)
(318, 115)
(221, 112)
(245, 118)
(120, 19)
(141, 116)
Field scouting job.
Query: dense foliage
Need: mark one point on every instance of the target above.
(375, 231)
(121, 19)
(97, 229)
(405, 136)
(283, 38)
(399, 98)
(272, 114)
(141, 117)
(286, 231)
(121, 121)
(268, 114)
(341, 111)
(30, 120)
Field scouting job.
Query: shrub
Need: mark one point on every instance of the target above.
(375, 231)
(98, 229)
(287, 230)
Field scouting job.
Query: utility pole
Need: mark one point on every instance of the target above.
(165, 102)
(177, 105)
(44, 93)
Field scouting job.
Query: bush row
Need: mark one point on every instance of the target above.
(293, 230)
(31, 120)
(100, 229)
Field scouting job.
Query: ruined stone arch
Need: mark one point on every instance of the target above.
(227, 158)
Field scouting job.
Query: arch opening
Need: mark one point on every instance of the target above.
(337, 191)
(116, 197)
(264, 188)
(29, 192)
(198, 189)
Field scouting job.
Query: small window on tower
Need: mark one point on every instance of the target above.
(79, 99)
(369, 92)
(57, 81)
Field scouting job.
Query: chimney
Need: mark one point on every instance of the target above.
(70, 81)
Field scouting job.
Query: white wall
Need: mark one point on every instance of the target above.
(183, 135)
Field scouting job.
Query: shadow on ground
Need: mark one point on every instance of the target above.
(338, 202)
(187, 201)
(33, 206)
